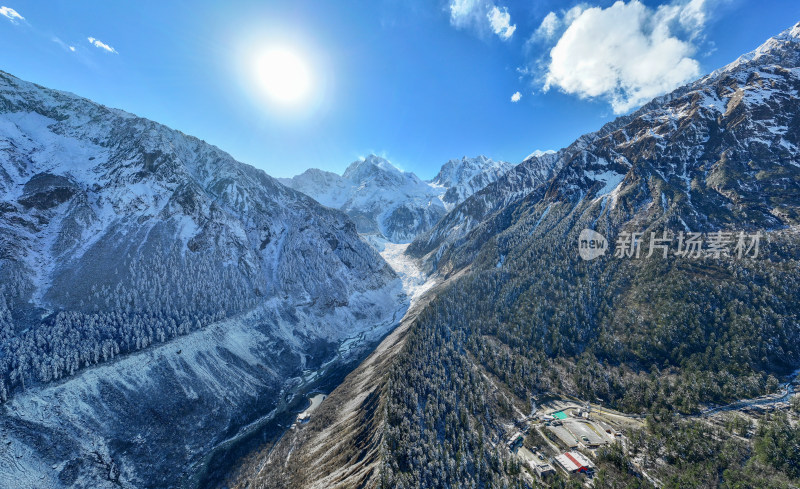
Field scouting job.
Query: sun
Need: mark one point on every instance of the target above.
(283, 74)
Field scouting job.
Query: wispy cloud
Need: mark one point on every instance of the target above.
(516, 97)
(15, 18)
(67, 47)
(11, 14)
(627, 53)
(553, 24)
(482, 16)
(547, 29)
(100, 44)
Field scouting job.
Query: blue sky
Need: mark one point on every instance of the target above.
(418, 81)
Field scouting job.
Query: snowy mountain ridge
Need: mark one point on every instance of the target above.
(728, 140)
(392, 204)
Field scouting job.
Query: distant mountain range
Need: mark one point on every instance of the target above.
(391, 204)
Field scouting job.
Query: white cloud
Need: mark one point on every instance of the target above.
(100, 44)
(573, 13)
(500, 20)
(11, 14)
(483, 16)
(626, 53)
(516, 97)
(688, 16)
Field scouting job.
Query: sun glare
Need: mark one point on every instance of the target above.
(283, 75)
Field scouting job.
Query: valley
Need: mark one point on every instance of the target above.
(674, 354)
(171, 317)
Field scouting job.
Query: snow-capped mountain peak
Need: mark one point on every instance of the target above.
(780, 47)
(392, 204)
(466, 176)
(459, 171)
(539, 153)
(372, 166)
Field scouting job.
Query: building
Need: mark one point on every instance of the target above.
(574, 462)
(543, 469)
(515, 441)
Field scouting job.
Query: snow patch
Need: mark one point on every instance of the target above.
(611, 180)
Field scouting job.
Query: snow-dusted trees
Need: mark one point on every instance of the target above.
(168, 295)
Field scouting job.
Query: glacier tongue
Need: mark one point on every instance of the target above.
(415, 280)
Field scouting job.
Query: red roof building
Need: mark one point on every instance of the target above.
(574, 462)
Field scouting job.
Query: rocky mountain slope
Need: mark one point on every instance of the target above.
(466, 176)
(465, 216)
(395, 205)
(158, 299)
(525, 316)
(709, 136)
